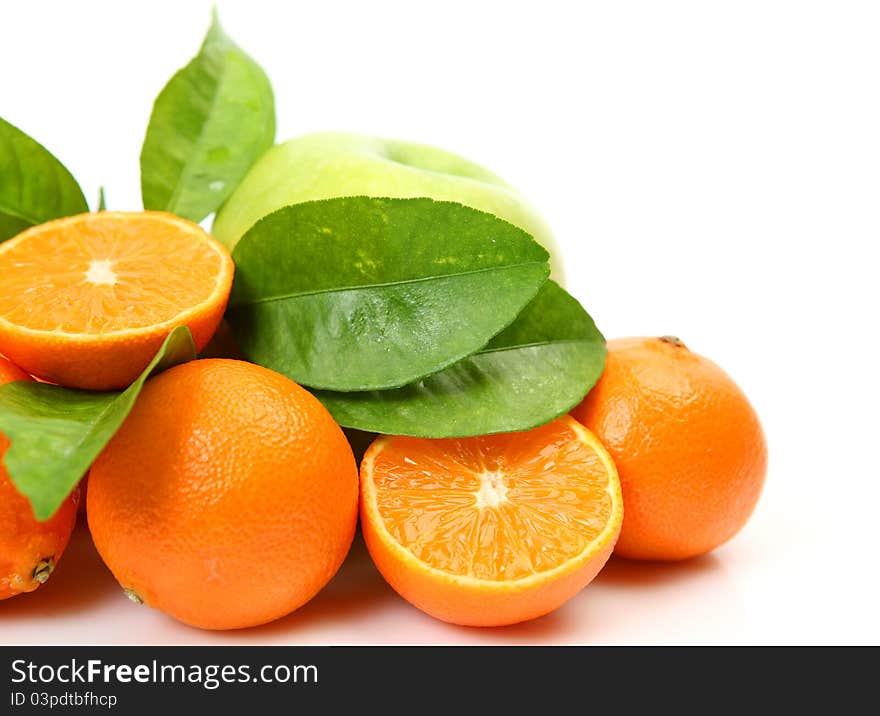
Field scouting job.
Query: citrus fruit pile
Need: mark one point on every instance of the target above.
(500, 465)
(229, 497)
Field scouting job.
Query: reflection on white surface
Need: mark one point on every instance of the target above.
(628, 602)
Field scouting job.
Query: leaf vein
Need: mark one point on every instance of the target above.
(387, 284)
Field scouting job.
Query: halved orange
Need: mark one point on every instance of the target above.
(491, 530)
(86, 301)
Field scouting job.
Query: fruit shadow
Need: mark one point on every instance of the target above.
(625, 573)
(80, 581)
(584, 608)
(553, 628)
(358, 590)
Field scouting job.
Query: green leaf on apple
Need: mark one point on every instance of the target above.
(359, 293)
(328, 165)
(537, 369)
(34, 186)
(55, 434)
(209, 124)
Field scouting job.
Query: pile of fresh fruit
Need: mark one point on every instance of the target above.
(205, 391)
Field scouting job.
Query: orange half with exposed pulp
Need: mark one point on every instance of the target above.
(86, 301)
(491, 530)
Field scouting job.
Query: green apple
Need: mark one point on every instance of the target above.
(331, 164)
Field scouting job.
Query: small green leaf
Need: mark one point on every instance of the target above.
(537, 369)
(55, 434)
(34, 186)
(102, 200)
(209, 124)
(358, 293)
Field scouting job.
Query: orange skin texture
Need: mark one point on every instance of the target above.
(689, 448)
(480, 602)
(112, 360)
(229, 497)
(25, 542)
(99, 363)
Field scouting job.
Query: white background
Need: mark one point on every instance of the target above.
(711, 170)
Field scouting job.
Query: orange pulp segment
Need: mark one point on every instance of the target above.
(85, 301)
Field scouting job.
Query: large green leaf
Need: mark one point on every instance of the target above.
(55, 434)
(539, 368)
(359, 293)
(34, 186)
(210, 123)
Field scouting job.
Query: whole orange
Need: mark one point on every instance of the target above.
(687, 443)
(228, 498)
(29, 550)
